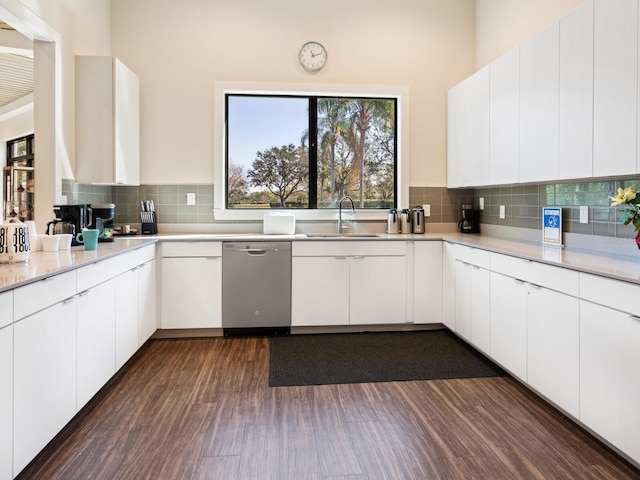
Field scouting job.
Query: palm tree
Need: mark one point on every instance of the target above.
(332, 121)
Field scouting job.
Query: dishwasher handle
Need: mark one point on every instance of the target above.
(254, 251)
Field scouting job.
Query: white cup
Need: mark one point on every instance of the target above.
(65, 241)
(50, 243)
(36, 242)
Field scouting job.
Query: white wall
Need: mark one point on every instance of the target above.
(180, 49)
(503, 24)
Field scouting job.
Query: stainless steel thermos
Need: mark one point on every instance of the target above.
(393, 221)
(405, 220)
(417, 220)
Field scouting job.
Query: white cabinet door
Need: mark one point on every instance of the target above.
(468, 140)
(6, 402)
(539, 86)
(319, 291)
(107, 121)
(609, 380)
(553, 350)
(448, 285)
(463, 299)
(126, 317)
(147, 295)
(509, 323)
(44, 379)
(504, 119)
(576, 93)
(615, 84)
(378, 290)
(6, 308)
(192, 292)
(427, 282)
(96, 339)
(481, 308)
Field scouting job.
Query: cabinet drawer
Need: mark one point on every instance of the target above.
(554, 278)
(611, 293)
(99, 272)
(348, 248)
(473, 256)
(6, 308)
(39, 295)
(191, 249)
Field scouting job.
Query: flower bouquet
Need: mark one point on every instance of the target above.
(631, 214)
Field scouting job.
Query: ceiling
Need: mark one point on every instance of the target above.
(16, 74)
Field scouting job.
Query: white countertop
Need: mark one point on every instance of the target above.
(45, 264)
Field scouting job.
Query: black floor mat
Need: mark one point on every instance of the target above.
(374, 357)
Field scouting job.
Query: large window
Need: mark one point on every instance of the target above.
(308, 152)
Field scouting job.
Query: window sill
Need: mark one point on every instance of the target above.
(304, 215)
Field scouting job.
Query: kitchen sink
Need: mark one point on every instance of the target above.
(341, 235)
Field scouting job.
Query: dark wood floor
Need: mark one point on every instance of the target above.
(202, 409)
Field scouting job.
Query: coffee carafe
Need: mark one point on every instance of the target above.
(393, 221)
(405, 220)
(417, 220)
(470, 221)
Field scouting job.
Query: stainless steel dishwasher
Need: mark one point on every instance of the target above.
(256, 288)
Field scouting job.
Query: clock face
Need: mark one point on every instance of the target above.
(312, 56)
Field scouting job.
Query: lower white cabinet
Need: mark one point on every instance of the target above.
(126, 316)
(6, 402)
(44, 378)
(191, 292)
(448, 285)
(553, 350)
(343, 283)
(609, 379)
(427, 282)
(472, 309)
(377, 290)
(509, 323)
(96, 339)
(147, 298)
(319, 291)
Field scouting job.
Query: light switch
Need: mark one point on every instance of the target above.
(191, 198)
(481, 203)
(503, 211)
(584, 214)
(427, 210)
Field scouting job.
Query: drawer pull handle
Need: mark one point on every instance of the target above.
(68, 300)
(635, 318)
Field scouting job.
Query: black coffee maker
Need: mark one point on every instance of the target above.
(66, 216)
(470, 222)
(103, 216)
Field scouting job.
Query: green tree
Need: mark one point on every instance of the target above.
(283, 171)
(332, 121)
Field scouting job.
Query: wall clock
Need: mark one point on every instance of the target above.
(312, 56)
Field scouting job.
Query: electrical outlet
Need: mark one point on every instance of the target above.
(584, 214)
(503, 211)
(481, 203)
(191, 198)
(427, 210)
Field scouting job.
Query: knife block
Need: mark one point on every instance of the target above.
(149, 223)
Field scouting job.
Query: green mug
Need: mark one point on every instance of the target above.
(89, 237)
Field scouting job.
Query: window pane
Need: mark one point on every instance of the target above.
(356, 152)
(267, 152)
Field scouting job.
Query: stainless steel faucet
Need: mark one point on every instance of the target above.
(342, 228)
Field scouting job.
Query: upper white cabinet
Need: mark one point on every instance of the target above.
(468, 140)
(576, 94)
(107, 119)
(504, 130)
(539, 85)
(615, 85)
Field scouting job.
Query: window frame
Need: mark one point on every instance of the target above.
(312, 129)
(222, 88)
